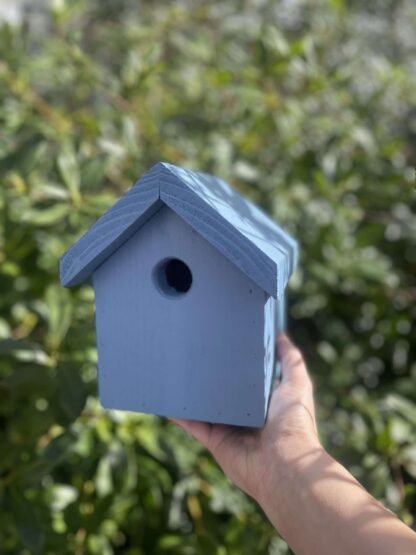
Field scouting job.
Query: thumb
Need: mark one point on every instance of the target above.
(293, 365)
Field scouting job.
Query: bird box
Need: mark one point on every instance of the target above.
(189, 280)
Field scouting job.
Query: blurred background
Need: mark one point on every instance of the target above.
(308, 107)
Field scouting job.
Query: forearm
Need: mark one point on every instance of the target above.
(319, 508)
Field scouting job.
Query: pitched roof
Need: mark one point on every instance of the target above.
(236, 227)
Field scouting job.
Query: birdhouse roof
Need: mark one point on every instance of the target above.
(232, 224)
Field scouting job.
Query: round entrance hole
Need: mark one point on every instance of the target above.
(173, 277)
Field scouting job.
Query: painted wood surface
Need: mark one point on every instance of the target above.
(219, 232)
(280, 325)
(238, 229)
(266, 241)
(207, 354)
(201, 355)
(110, 231)
(269, 348)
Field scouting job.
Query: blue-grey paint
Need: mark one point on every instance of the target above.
(233, 225)
(269, 347)
(207, 354)
(110, 231)
(244, 216)
(201, 355)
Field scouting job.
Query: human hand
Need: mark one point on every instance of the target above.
(248, 456)
(316, 505)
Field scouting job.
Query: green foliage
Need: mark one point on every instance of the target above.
(306, 107)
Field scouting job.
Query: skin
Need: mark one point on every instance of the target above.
(314, 503)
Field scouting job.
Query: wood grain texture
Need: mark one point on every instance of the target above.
(208, 354)
(219, 232)
(233, 225)
(198, 356)
(236, 225)
(110, 231)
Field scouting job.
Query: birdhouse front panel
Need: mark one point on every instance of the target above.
(181, 331)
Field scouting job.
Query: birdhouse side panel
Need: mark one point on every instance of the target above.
(269, 348)
(195, 351)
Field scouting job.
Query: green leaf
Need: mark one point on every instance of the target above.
(72, 391)
(25, 351)
(49, 191)
(47, 216)
(402, 405)
(27, 521)
(59, 306)
(93, 172)
(69, 171)
(103, 479)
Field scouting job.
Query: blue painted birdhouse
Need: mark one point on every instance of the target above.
(189, 281)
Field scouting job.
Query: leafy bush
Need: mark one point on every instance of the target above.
(306, 107)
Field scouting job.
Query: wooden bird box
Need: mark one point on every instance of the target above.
(189, 281)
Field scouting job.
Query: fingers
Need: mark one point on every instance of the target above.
(293, 366)
(214, 437)
(201, 431)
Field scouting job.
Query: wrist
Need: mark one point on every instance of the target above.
(286, 463)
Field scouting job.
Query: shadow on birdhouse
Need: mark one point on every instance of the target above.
(189, 281)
